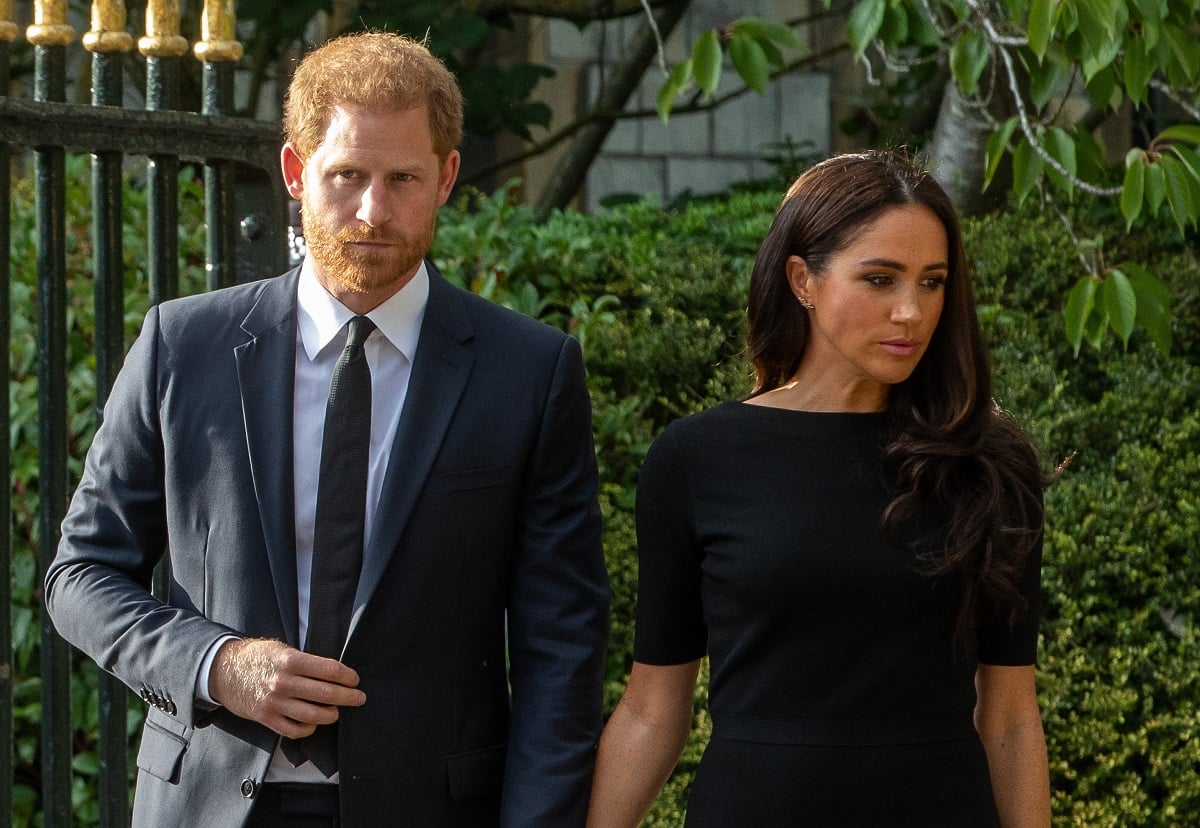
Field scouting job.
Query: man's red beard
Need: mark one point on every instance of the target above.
(361, 270)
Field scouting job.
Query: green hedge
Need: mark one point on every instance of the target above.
(23, 436)
(1119, 666)
(657, 298)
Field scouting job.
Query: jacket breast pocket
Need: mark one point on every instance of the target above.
(465, 479)
(161, 751)
(476, 773)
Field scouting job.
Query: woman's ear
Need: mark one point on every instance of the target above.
(799, 278)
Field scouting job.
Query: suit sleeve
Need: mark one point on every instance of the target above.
(557, 615)
(113, 536)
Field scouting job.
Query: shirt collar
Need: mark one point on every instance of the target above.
(321, 317)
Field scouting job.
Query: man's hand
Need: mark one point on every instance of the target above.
(285, 689)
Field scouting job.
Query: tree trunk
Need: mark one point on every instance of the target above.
(957, 156)
(571, 170)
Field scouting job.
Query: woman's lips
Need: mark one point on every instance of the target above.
(900, 347)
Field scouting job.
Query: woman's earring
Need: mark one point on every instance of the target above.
(807, 305)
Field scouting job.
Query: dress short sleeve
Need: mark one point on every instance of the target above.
(670, 619)
(1015, 645)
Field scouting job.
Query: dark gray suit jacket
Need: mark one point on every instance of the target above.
(482, 614)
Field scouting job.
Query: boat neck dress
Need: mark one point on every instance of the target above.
(838, 694)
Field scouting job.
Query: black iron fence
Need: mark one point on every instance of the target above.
(246, 230)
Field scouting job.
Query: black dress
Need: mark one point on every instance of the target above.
(838, 694)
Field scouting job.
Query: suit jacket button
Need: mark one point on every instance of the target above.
(248, 788)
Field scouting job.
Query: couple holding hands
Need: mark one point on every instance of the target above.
(388, 603)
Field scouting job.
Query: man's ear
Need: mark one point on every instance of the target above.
(293, 169)
(799, 277)
(447, 175)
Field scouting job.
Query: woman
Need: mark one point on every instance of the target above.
(856, 546)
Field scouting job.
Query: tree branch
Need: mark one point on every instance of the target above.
(575, 10)
(617, 115)
(571, 170)
(1001, 46)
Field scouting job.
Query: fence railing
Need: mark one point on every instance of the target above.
(246, 229)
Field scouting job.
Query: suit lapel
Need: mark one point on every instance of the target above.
(439, 375)
(266, 374)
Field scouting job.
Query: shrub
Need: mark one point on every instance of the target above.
(81, 395)
(1117, 676)
(657, 298)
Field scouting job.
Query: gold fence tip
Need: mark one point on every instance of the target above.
(50, 34)
(163, 46)
(217, 51)
(105, 43)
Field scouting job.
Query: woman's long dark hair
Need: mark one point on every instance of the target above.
(955, 453)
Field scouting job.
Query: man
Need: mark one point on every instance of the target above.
(416, 601)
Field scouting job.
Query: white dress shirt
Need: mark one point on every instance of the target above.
(320, 338)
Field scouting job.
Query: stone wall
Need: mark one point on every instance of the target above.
(695, 153)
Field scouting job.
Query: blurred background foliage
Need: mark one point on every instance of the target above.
(656, 294)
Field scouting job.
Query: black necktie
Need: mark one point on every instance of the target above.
(339, 526)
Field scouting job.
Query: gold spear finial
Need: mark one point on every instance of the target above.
(8, 29)
(50, 26)
(108, 34)
(162, 37)
(218, 41)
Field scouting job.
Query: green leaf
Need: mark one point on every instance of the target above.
(774, 56)
(997, 145)
(865, 19)
(1046, 79)
(1061, 147)
(1096, 326)
(1156, 187)
(1095, 60)
(1080, 301)
(1186, 56)
(894, 29)
(1156, 322)
(674, 84)
(1149, 288)
(1153, 305)
(1135, 186)
(1191, 163)
(519, 81)
(1121, 303)
(1095, 27)
(968, 59)
(1139, 68)
(1150, 11)
(1179, 191)
(768, 30)
(921, 31)
(1187, 133)
(1027, 169)
(664, 101)
(465, 31)
(1041, 26)
(1091, 163)
(1105, 89)
(750, 61)
(707, 60)
(85, 764)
